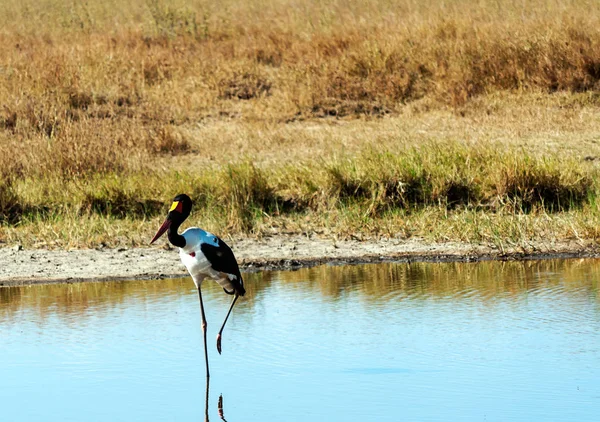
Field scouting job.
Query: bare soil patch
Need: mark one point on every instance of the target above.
(35, 266)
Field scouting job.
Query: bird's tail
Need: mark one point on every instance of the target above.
(240, 290)
(238, 287)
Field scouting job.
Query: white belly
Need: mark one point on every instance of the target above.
(199, 268)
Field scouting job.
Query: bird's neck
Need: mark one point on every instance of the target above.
(175, 238)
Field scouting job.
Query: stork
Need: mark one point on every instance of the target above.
(205, 256)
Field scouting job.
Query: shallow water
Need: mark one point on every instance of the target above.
(516, 341)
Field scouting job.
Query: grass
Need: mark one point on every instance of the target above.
(471, 121)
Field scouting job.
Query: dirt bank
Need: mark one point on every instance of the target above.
(19, 266)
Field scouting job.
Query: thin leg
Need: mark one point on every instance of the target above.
(206, 405)
(204, 325)
(224, 322)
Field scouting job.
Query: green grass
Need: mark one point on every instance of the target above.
(452, 193)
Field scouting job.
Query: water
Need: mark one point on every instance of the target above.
(388, 342)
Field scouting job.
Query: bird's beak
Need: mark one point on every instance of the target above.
(162, 230)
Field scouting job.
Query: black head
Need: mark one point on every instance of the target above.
(179, 211)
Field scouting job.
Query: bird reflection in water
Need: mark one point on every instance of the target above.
(219, 404)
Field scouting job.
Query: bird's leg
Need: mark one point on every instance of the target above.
(224, 322)
(204, 325)
(206, 403)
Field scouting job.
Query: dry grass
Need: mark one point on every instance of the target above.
(385, 118)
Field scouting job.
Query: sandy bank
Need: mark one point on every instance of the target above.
(19, 266)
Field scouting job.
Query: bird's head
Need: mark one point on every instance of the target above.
(179, 211)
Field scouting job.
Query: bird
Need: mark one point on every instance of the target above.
(204, 255)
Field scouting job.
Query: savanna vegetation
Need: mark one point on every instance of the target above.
(465, 120)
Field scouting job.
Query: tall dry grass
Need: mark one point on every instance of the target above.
(102, 103)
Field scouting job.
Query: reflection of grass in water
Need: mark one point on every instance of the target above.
(372, 282)
(81, 299)
(375, 281)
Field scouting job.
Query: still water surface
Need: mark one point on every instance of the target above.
(414, 342)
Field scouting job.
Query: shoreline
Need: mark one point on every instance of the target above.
(43, 266)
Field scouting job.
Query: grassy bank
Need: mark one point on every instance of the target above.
(471, 121)
(439, 191)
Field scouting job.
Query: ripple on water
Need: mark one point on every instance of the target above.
(489, 341)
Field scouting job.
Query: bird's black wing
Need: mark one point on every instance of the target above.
(222, 259)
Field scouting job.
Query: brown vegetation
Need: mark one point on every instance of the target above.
(271, 113)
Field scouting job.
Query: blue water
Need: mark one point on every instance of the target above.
(419, 342)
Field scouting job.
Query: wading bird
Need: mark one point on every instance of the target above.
(205, 256)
